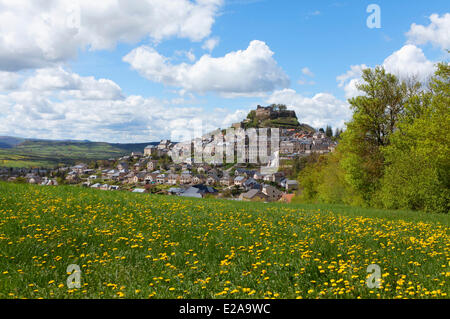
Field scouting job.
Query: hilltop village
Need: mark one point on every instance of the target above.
(154, 171)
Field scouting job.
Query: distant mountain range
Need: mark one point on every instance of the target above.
(9, 141)
(23, 152)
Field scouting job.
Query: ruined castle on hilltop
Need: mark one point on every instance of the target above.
(268, 112)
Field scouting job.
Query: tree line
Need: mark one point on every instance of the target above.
(394, 152)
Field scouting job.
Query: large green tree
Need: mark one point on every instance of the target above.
(375, 117)
(417, 173)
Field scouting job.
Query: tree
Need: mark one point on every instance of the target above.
(324, 181)
(417, 173)
(329, 131)
(375, 117)
(394, 152)
(251, 115)
(279, 107)
(337, 133)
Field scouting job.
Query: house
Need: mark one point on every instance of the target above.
(251, 184)
(138, 190)
(186, 166)
(137, 178)
(97, 185)
(164, 145)
(291, 185)
(272, 193)
(152, 165)
(138, 166)
(136, 155)
(104, 187)
(198, 179)
(117, 177)
(92, 177)
(258, 176)
(150, 150)
(212, 180)
(253, 195)
(174, 167)
(32, 179)
(275, 178)
(175, 191)
(88, 171)
(203, 168)
(150, 178)
(240, 172)
(238, 181)
(227, 181)
(114, 188)
(214, 172)
(173, 179)
(109, 174)
(79, 168)
(49, 182)
(122, 166)
(199, 191)
(72, 176)
(161, 179)
(185, 178)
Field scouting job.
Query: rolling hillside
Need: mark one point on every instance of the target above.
(16, 152)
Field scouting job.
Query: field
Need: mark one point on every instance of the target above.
(142, 246)
(42, 153)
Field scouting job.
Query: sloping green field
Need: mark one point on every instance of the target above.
(38, 153)
(142, 246)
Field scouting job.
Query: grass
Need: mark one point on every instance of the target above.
(11, 158)
(143, 246)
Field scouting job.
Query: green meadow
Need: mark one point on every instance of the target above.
(148, 246)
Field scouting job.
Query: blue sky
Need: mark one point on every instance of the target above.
(302, 48)
(325, 36)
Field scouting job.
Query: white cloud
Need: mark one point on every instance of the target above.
(191, 56)
(305, 82)
(8, 80)
(312, 14)
(58, 104)
(437, 32)
(36, 34)
(408, 62)
(235, 117)
(210, 44)
(320, 110)
(307, 71)
(250, 72)
(66, 84)
(349, 80)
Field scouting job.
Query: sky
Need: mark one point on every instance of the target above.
(142, 70)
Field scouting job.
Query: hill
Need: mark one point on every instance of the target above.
(16, 152)
(140, 246)
(9, 141)
(275, 115)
